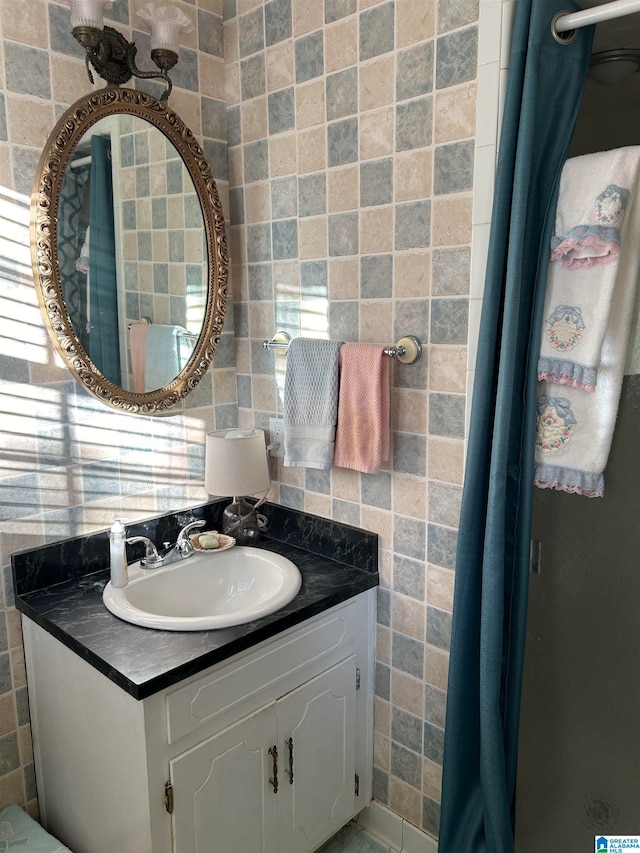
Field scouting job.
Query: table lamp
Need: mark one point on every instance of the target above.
(236, 465)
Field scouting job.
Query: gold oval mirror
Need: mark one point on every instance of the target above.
(129, 250)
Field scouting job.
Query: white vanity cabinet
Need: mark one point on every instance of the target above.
(267, 752)
(293, 763)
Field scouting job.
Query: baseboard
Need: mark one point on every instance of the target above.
(383, 824)
(414, 840)
(391, 829)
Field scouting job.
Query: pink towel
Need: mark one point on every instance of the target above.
(138, 343)
(362, 435)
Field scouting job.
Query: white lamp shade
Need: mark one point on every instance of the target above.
(166, 23)
(88, 13)
(236, 463)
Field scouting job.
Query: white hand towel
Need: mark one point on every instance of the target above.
(575, 428)
(310, 402)
(588, 265)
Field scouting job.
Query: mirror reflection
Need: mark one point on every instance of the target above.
(132, 253)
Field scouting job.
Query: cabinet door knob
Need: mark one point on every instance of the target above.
(289, 772)
(273, 752)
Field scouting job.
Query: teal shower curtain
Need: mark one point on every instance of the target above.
(487, 644)
(72, 212)
(104, 340)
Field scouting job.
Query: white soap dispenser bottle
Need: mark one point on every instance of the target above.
(118, 554)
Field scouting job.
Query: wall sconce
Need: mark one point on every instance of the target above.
(112, 56)
(236, 465)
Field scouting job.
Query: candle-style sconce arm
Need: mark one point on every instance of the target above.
(113, 57)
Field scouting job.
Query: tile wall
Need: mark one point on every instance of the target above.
(163, 243)
(350, 126)
(68, 464)
(351, 149)
(163, 237)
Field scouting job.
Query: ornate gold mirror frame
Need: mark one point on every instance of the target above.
(44, 242)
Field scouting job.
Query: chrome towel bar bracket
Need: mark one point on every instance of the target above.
(408, 350)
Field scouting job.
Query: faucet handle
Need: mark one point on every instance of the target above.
(151, 559)
(183, 542)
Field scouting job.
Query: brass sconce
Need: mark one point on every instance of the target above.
(109, 53)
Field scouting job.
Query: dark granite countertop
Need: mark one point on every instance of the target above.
(142, 660)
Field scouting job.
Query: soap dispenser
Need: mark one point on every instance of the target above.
(118, 554)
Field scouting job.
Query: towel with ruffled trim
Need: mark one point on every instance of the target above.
(587, 264)
(585, 246)
(588, 311)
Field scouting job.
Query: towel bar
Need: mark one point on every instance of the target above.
(407, 350)
(147, 322)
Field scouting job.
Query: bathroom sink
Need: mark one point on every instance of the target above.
(207, 590)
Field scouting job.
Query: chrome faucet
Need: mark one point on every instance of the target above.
(151, 559)
(183, 545)
(180, 551)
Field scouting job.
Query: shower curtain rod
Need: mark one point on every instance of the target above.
(81, 161)
(605, 12)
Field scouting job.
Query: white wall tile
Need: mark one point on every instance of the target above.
(484, 177)
(508, 18)
(479, 251)
(489, 40)
(487, 105)
(475, 310)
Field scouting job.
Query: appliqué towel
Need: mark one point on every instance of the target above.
(310, 402)
(575, 428)
(362, 436)
(588, 267)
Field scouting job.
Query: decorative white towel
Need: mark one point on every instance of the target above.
(575, 428)
(588, 267)
(575, 431)
(310, 402)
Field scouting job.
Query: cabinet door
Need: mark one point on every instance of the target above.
(319, 717)
(223, 800)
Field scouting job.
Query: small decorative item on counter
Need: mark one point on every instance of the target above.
(211, 540)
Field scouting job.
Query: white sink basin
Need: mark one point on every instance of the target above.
(207, 590)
